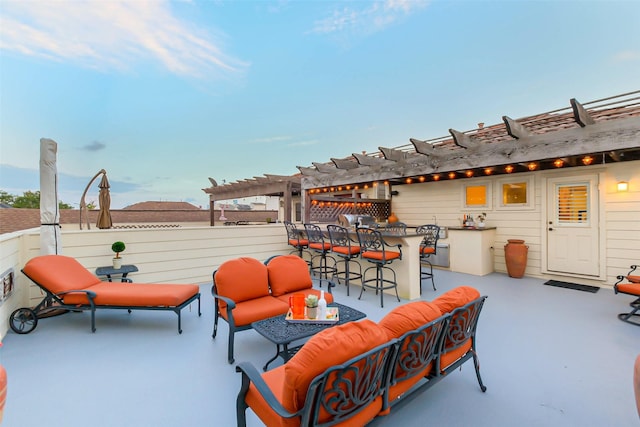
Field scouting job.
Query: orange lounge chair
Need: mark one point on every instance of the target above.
(630, 287)
(70, 286)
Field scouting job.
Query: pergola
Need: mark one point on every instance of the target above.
(285, 187)
(602, 131)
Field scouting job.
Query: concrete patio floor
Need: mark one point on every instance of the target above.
(549, 357)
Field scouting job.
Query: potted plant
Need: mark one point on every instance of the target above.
(117, 247)
(481, 219)
(311, 302)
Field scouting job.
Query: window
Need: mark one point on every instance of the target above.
(477, 196)
(516, 192)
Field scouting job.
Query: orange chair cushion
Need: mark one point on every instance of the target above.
(346, 250)
(377, 255)
(3, 390)
(633, 279)
(427, 250)
(320, 246)
(448, 357)
(288, 273)
(242, 279)
(629, 288)
(409, 316)
(455, 298)
(135, 294)
(300, 242)
(247, 312)
(59, 273)
(275, 381)
(331, 347)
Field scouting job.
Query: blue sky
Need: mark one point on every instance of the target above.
(164, 94)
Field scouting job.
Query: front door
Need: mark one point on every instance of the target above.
(572, 225)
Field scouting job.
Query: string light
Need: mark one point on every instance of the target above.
(558, 163)
(408, 180)
(469, 173)
(532, 166)
(436, 177)
(452, 175)
(422, 179)
(587, 160)
(508, 169)
(488, 171)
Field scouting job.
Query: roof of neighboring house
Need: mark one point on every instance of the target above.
(165, 206)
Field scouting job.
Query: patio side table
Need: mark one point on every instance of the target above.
(282, 333)
(123, 271)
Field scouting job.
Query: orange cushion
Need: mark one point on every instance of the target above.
(288, 273)
(247, 312)
(301, 242)
(629, 288)
(330, 347)
(275, 381)
(346, 250)
(320, 246)
(135, 294)
(58, 273)
(377, 255)
(449, 357)
(633, 279)
(409, 316)
(428, 250)
(455, 298)
(242, 279)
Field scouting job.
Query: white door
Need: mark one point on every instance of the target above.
(572, 225)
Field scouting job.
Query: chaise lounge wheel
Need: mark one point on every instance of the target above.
(23, 320)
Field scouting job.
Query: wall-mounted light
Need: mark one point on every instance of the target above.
(558, 163)
(587, 160)
(508, 169)
(623, 186)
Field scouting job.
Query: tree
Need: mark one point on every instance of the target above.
(28, 200)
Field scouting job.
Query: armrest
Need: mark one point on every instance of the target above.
(90, 295)
(230, 303)
(251, 375)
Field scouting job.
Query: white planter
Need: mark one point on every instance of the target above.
(117, 263)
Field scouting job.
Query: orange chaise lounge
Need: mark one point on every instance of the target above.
(68, 285)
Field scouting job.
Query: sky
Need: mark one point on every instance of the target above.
(165, 94)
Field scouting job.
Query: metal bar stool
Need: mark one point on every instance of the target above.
(318, 245)
(373, 249)
(428, 247)
(343, 246)
(297, 239)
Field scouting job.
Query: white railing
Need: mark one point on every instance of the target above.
(176, 255)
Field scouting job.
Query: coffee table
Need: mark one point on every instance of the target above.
(282, 333)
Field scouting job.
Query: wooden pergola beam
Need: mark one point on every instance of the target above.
(581, 115)
(325, 168)
(365, 160)
(345, 163)
(423, 147)
(393, 154)
(462, 139)
(515, 129)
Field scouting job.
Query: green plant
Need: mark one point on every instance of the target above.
(118, 247)
(311, 301)
(482, 217)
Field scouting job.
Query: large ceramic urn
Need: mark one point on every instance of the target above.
(515, 255)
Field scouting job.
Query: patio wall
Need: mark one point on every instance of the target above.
(175, 255)
(417, 204)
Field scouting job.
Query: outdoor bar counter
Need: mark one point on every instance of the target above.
(471, 249)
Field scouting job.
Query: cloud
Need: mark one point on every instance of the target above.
(271, 139)
(112, 35)
(364, 21)
(302, 143)
(626, 56)
(95, 146)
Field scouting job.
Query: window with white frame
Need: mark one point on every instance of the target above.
(515, 192)
(476, 195)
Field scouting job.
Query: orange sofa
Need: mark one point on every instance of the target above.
(350, 374)
(70, 286)
(246, 291)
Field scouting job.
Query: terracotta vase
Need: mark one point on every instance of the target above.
(515, 255)
(392, 218)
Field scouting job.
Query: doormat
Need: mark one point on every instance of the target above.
(576, 286)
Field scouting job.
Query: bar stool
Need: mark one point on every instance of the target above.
(373, 249)
(428, 247)
(296, 239)
(318, 245)
(395, 228)
(343, 246)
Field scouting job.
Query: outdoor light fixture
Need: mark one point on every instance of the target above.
(469, 173)
(452, 175)
(623, 186)
(558, 163)
(488, 171)
(508, 169)
(421, 179)
(408, 180)
(532, 166)
(436, 177)
(587, 160)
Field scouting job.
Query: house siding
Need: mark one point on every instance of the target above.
(419, 203)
